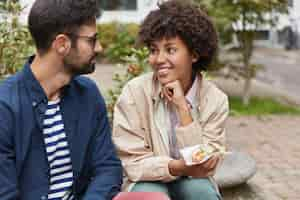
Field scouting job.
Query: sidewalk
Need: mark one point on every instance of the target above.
(277, 52)
(281, 69)
(274, 143)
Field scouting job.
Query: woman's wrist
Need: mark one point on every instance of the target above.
(184, 114)
(176, 167)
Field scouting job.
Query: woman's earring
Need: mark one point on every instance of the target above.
(195, 58)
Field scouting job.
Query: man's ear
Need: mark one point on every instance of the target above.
(62, 44)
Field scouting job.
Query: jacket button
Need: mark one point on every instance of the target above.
(43, 198)
(34, 104)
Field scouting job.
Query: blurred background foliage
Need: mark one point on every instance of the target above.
(135, 65)
(117, 40)
(15, 40)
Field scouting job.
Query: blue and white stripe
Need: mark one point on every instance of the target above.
(58, 154)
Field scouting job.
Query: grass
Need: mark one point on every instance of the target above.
(260, 106)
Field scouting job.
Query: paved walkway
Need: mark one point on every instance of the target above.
(281, 68)
(273, 141)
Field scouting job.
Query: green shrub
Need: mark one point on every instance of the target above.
(132, 29)
(107, 33)
(120, 48)
(117, 39)
(136, 64)
(15, 40)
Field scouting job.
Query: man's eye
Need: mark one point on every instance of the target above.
(93, 39)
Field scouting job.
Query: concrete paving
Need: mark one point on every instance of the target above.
(273, 141)
(281, 69)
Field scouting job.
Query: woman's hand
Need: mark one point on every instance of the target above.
(173, 92)
(203, 170)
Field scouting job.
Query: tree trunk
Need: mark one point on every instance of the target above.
(246, 39)
(246, 91)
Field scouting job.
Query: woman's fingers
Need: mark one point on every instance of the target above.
(173, 91)
(204, 169)
(214, 163)
(170, 91)
(167, 94)
(211, 163)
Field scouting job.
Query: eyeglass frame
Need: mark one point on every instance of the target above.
(91, 39)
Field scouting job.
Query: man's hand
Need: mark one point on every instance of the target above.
(203, 170)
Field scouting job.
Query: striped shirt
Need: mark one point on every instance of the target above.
(58, 154)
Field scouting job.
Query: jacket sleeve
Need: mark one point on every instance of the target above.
(208, 129)
(106, 166)
(8, 174)
(133, 143)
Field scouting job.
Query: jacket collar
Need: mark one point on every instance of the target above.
(156, 89)
(36, 92)
(192, 93)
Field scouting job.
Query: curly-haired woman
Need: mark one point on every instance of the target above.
(172, 107)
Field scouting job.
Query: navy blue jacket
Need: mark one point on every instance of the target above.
(24, 169)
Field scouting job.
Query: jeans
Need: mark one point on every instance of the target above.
(181, 189)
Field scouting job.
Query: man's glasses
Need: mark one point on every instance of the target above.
(91, 39)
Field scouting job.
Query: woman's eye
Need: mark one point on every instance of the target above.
(171, 50)
(152, 51)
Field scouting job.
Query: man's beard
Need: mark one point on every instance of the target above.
(76, 69)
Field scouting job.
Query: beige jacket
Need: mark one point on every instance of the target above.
(140, 127)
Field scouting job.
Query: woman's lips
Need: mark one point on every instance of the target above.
(163, 71)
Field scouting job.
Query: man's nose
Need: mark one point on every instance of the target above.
(98, 47)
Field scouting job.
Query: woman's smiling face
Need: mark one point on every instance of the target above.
(171, 60)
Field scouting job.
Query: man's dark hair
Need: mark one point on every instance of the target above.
(48, 18)
(186, 20)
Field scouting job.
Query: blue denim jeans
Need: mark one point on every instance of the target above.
(181, 189)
